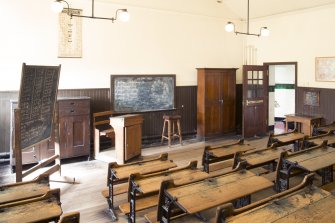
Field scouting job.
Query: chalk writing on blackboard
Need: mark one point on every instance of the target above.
(38, 94)
(138, 93)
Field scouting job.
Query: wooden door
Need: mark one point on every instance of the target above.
(213, 104)
(228, 101)
(133, 141)
(255, 100)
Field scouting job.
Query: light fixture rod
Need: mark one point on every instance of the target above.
(248, 19)
(230, 27)
(84, 16)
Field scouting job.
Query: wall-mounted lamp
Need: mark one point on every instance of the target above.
(230, 27)
(121, 14)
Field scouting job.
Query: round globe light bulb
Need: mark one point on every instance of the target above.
(229, 27)
(57, 6)
(124, 15)
(265, 31)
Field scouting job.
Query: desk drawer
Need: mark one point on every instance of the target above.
(73, 107)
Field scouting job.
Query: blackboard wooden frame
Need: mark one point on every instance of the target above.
(114, 78)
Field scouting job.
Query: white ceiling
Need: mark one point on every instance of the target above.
(229, 9)
(262, 8)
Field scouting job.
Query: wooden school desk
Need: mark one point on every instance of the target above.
(303, 123)
(305, 205)
(209, 193)
(259, 157)
(319, 158)
(223, 152)
(327, 128)
(42, 209)
(24, 190)
(148, 186)
(288, 138)
(318, 140)
(118, 174)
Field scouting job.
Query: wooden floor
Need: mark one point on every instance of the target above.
(91, 177)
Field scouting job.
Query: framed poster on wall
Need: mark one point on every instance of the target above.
(70, 34)
(325, 68)
(312, 98)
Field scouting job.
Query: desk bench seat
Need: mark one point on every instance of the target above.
(141, 204)
(151, 216)
(118, 189)
(329, 187)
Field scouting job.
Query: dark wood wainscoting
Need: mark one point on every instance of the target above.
(186, 106)
(326, 107)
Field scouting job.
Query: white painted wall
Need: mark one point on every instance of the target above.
(152, 42)
(299, 36)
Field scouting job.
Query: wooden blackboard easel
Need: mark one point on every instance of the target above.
(34, 116)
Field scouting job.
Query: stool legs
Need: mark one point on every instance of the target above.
(163, 132)
(179, 131)
(171, 131)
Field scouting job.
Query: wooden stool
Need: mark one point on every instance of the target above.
(174, 119)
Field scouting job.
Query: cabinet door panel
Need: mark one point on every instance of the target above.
(228, 92)
(133, 141)
(78, 136)
(213, 123)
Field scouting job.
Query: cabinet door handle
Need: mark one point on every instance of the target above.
(72, 103)
(72, 111)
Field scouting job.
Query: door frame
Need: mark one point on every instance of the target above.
(296, 80)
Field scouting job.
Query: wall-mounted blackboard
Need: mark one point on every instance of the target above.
(37, 98)
(140, 93)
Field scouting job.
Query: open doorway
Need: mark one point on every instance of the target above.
(282, 94)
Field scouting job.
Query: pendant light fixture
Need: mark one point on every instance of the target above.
(230, 27)
(121, 14)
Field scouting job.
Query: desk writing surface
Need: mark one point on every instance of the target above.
(306, 117)
(309, 154)
(319, 141)
(230, 150)
(212, 192)
(123, 172)
(32, 212)
(327, 128)
(316, 161)
(152, 184)
(23, 191)
(291, 137)
(262, 156)
(288, 208)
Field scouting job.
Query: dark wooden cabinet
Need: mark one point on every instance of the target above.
(216, 101)
(74, 127)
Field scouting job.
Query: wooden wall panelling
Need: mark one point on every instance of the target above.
(186, 104)
(5, 97)
(326, 108)
(186, 97)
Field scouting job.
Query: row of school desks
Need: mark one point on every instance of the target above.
(187, 190)
(33, 201)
